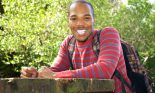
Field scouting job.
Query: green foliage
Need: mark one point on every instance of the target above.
(34, 29)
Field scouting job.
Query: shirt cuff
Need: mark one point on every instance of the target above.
(64, 74)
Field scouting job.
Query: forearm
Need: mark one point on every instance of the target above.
(97, 70)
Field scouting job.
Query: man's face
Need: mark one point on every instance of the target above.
(81, 21)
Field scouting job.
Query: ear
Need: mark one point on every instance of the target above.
(94, 20)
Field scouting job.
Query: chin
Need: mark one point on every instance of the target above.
(81, 40)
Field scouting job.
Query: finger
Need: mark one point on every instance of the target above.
(23, 72)
(40, 76)
(35, 74)
(24, 68)
(23, 76)
(26, 73)
(48, 69)
(29, 71)
(33, 71)
(42, 68)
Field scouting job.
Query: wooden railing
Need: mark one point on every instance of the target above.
(18, 85)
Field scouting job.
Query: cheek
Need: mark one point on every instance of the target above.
(72, 26)
(91, 26)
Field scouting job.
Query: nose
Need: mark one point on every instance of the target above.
(80, 23)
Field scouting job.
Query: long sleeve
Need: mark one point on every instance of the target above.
(61, 62)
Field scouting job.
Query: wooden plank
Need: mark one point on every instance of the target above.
(33, 85)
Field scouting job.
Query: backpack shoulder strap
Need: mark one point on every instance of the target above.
(96, 43)
(71, 47)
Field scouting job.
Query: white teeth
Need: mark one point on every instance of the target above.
(81, 32)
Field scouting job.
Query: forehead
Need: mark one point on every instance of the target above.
(79, 7)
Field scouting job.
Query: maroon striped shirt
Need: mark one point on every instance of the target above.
(88, 65)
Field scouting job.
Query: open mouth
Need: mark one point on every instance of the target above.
(81, 32)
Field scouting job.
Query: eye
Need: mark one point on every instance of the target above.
(73, 18)
(87, 18)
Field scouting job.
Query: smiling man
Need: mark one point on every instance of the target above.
(81, 21)
(82, 58)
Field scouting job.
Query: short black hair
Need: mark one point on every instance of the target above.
(82, 1)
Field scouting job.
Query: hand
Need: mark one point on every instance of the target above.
(27, 72)
(45, 72)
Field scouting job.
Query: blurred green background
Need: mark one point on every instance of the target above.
(32, 30)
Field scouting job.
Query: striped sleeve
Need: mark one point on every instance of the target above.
(110, 48)
(61, 62)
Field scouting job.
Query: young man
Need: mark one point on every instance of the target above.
(85, 62)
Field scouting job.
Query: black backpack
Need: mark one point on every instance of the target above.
(141, 83)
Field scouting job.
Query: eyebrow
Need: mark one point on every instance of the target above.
(72, 16)
(87, 15)
(84, 15)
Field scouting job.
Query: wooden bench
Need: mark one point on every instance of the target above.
(32, 85)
